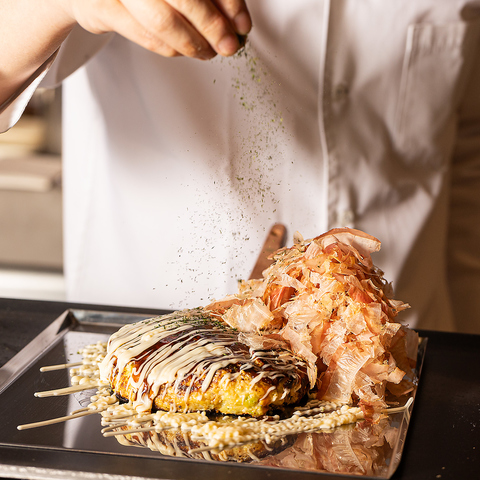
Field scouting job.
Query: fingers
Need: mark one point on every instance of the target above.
(195, 28)
(210, 23)
(111, 15)
(167, 24)
(236, 11)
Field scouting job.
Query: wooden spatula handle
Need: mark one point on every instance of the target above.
(275, 240)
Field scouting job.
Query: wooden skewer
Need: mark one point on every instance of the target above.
(113, 427)
(230, 445)
(153, 428)
(60, 366)
(66, 391)
(399, 409)
(55, 420)
(200, 450)
(86, 409)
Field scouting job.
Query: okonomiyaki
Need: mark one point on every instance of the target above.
(190, 361)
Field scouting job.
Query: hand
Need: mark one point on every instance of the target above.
(193, 28)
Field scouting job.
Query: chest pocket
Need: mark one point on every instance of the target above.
(435, 68)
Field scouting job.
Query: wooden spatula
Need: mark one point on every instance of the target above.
(275, 240)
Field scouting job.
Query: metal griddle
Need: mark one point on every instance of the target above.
(76, 449)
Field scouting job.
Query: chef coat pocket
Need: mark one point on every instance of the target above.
(430, 89)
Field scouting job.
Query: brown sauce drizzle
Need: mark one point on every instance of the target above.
(185, 349)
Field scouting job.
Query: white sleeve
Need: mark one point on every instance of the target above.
(75, 51)
(11, 110)
(79, 47)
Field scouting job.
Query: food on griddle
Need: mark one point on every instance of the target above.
(311, 346)
(322, 308)
(188, 361)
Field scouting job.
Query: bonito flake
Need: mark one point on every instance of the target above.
(326, 301)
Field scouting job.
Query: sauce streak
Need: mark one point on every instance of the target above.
(184, 349)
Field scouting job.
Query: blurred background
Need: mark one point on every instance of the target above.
(31, 250)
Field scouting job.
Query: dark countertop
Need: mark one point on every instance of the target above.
(443, 440)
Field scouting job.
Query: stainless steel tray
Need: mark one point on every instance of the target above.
(77, 449)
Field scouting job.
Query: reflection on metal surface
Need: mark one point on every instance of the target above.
(178, 443)
(360, 449)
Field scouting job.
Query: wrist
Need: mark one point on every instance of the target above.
(60, 15)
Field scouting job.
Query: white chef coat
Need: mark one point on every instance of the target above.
(341, 113)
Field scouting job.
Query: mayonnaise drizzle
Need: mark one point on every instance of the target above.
(216, 435)
(226, 432)
(167, 349)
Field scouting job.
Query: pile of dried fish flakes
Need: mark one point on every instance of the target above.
(325, 300)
